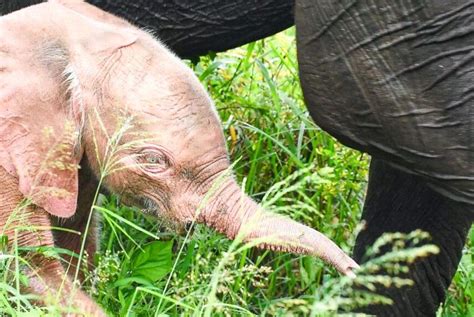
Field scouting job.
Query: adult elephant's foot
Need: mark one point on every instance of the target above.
(400, 202)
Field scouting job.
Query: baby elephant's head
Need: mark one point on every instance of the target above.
(148, 130)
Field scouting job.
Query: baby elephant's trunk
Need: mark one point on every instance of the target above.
(236, 215)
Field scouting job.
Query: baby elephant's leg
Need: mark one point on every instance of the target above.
(81, 225)
(30, 226)
(77, 228)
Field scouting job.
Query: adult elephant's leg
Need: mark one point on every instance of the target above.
(400, 202)
(394, 79)
(196, 27)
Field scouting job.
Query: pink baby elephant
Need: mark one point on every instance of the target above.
(88, 100)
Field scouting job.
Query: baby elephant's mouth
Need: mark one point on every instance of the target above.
(148, 206)
(185, 228)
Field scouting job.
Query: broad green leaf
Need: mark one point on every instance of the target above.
(153, 261)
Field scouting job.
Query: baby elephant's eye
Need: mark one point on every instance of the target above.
(153, 161)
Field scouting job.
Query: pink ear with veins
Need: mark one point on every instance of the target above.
(35, 146)
(46, 167)
(48, 175)
(56, 192)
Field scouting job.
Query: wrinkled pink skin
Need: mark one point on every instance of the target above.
(96, 72)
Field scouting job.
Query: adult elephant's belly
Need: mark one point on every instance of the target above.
(195, 27)
(395, 79)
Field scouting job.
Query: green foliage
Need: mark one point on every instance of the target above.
(460, 301)
(288, 164)
(153, 262)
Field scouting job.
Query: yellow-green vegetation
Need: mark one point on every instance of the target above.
(286, 162)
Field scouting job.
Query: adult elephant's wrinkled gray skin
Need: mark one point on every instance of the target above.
(391, 78)
(405, 73)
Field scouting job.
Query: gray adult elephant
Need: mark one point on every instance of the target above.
(392, 78)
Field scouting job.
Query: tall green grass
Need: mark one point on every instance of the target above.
(282, 160)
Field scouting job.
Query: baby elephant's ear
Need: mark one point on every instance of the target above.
(39, 124)
(46, 164)
(54, 184)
